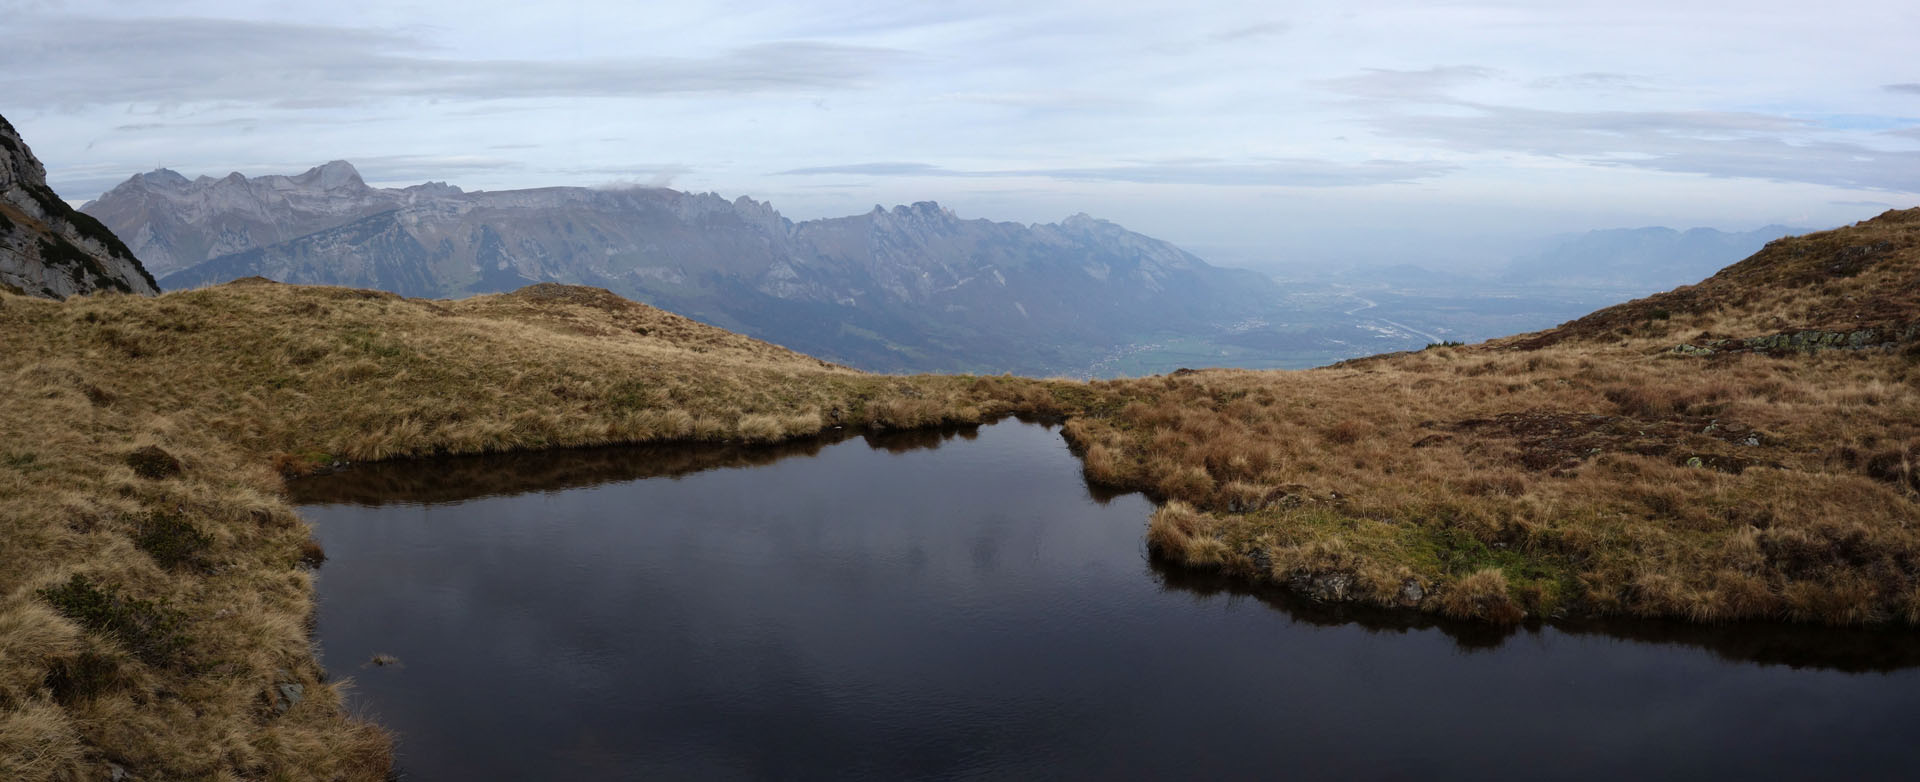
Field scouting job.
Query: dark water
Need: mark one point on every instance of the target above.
(888, 609)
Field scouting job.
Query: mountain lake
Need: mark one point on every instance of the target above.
(961, 604)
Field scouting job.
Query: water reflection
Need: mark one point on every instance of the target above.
(450, 479)
(1846, 649)
(960, 604)
(463, 478)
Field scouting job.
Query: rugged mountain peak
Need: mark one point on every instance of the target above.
(334, 175)
(47, 248)
(918, 214)
(908, 287)
(433, 189)
(1083, 223)
(16, 161)
(163, 178)
(174, 222)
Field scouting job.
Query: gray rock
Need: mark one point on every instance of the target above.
(291, 694)
(1328, 587)
(48, 249)
(1411, 593)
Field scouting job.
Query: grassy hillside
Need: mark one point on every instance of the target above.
(155, 605)
(1742, 448)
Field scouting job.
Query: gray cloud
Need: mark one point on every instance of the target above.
(1233, 36)
(880, 169)
(171, 62)
(407, 168)
(1276, 173)
(1913, 88)
(645, 177)
(1264, 30)
(1429, 84)
(1593, 80)
(141, 127)
(1733, 144)
(1720, 144)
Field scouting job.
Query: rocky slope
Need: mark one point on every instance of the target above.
(48, 249)
(909, 288)
(172, 222)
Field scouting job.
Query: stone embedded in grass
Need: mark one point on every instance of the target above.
(153, 463)
(290, 695)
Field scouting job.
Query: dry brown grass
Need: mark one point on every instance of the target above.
(193, 606)
(1586, 470)
(149, 615)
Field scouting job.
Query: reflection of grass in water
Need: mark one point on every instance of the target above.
(458, 478)
(1846, 649)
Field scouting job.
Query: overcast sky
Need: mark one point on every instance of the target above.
(1247, 131)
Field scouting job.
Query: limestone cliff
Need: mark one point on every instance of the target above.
(47, 248)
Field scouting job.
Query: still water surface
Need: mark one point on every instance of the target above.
(963, 605)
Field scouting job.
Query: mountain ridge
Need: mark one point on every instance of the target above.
(913, 287)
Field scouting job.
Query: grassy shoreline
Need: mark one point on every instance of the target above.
(1608, 467)
(158, 620)
(158, 617)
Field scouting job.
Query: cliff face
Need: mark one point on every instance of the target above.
(172, 222)
(908, 288)
(47, 248)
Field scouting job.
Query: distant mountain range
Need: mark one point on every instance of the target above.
(46, 248)
(908, 288)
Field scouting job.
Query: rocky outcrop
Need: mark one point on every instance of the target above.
(1807, 341)
(47, 248)
(912, 288)
(173, 222)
